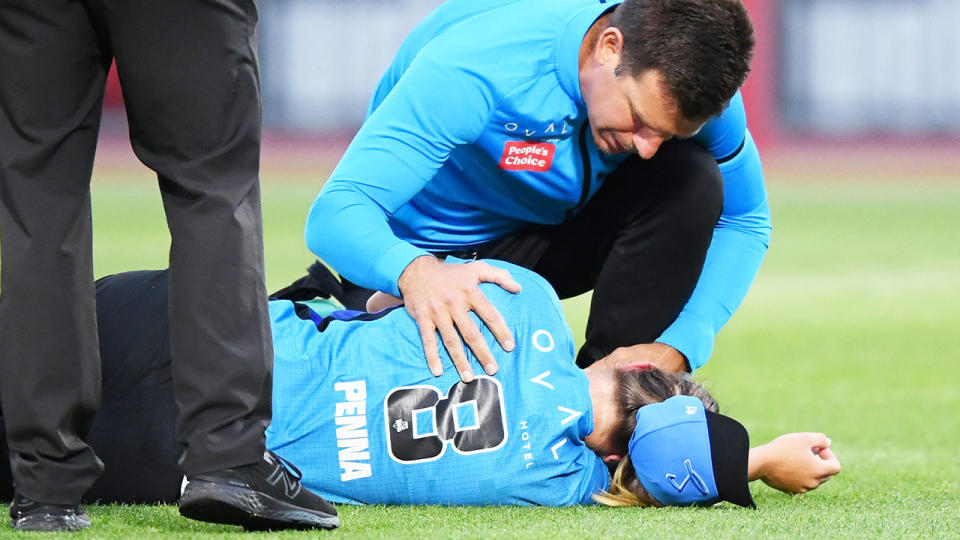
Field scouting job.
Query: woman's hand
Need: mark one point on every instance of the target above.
(794, 463)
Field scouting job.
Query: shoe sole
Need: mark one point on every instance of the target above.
(50, 523)
(254, 511)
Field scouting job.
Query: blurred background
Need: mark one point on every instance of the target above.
(868, 71)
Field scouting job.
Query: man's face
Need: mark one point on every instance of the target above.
(630, 113)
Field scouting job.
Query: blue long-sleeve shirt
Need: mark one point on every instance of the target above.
(473, 132)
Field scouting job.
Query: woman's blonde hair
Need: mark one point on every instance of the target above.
(634, 389)
(625, 488)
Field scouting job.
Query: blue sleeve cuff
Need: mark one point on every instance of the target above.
(392, 263)
(692, 337)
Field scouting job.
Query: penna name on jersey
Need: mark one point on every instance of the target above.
(352, 438)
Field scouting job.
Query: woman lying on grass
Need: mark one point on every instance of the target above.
(355, 405)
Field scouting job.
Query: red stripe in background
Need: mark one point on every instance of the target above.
(113, 98)
(760, 90)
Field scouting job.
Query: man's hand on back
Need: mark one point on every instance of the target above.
(441, 296)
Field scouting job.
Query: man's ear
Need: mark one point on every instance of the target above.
(610, 46)
(612, 459)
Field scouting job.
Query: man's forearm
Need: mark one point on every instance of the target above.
(369, 255)
(739, 244)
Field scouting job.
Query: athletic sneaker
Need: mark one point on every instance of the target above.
(263, 496)
(29, 515)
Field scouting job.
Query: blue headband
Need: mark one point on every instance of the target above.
(670, 451)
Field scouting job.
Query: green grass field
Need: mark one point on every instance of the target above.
(852, 328)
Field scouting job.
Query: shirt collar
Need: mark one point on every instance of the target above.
(567, 56)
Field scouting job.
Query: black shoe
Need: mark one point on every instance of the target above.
(29, 515)
(263, 496)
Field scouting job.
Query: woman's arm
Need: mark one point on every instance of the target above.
(794, 463)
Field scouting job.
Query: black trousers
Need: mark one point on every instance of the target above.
(639, 244)
(189, 74)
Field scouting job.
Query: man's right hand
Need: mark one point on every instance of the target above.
(441, 296)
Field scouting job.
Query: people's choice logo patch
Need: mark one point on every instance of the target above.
(527, 156)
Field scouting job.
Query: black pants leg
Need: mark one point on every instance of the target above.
(53, 65)
(133, 430)
(639, 244)
(188, 69)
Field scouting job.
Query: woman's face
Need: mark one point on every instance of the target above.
(606, 413)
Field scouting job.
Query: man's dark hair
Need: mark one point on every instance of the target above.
(702, 47)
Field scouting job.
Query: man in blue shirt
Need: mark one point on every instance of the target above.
(602, 144)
